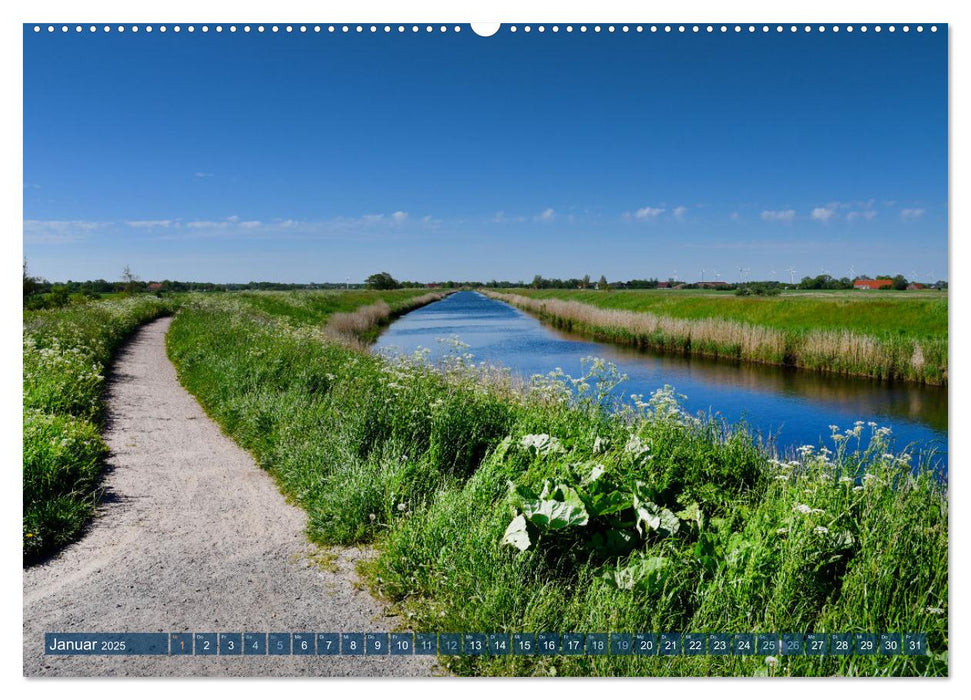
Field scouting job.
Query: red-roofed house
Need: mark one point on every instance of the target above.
(872, 284)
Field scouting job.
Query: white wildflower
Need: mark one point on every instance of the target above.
(820, 530)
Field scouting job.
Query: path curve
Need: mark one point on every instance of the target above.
(192, 536)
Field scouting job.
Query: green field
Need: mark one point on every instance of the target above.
(501, 510)
(921, 314)
(885, 335)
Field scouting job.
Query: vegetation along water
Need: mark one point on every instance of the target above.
(503, 506)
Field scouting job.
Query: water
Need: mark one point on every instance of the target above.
(795, 406)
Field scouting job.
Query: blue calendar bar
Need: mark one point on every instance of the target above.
(244, 644)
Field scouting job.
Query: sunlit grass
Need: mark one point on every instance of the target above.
(66, 354)
(840, 537)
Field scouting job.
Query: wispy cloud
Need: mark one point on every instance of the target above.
(648, 213)
(679, 213)
(152, 223)
(59, 231)
(201, 175)
(867, 215)
(399, 217)
(784, 215)
(823, 214)
(911, 214)
(546, 215)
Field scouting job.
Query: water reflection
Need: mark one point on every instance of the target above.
(796, 406)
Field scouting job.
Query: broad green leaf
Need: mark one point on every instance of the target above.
(606, 503)
(645, 574)
(554, 515)
(656, 518)
(596, 471)
(516, 534)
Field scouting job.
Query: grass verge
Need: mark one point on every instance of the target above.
(66, 353)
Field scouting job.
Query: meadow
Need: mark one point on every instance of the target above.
(886, 335)
(66, 355)
(503, 507)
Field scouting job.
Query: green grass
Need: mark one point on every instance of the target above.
(890, 336)
(66, 353)
(910, 314)
(420, 462)
(311, 308)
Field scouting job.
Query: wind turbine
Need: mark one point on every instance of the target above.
(852, 273)
(792, 275)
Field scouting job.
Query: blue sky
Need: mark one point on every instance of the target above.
(321, 157)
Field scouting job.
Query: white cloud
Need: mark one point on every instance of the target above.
(648, 213)
(546, 215)
(823, 214)
(735, 216)
(152, 223)
(868, 215)
(59, 231)
(786, 215)
(911, 214)
(399, 217)
(201, 175)
(679, 213)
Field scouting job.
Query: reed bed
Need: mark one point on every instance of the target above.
(358, 328)
(837, 351)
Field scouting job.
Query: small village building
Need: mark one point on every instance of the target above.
(872, 284)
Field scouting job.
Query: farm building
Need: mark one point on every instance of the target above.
(872, 284)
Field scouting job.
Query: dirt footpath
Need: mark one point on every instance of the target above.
(192, 536)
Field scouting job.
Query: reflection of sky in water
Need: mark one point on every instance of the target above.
(797, 406)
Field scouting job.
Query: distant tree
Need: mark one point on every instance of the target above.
(899, 282)
(537, 282)
(585, 283)
(381, 280)
(602, 283)
(30, 283)
(128, 279)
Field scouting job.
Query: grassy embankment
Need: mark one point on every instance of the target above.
(66, 353)
(888, 336)
(498, 510)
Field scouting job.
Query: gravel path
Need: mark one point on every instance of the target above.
(193, 536)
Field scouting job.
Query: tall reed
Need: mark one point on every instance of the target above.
(842, 352)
